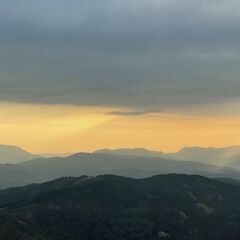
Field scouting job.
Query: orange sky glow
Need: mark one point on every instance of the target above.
(62, 128)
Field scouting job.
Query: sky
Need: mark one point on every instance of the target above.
(89, 74)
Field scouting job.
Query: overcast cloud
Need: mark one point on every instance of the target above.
(143, 54)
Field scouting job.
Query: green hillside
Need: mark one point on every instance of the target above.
(177, 207)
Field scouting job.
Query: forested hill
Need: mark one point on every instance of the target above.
(110, 207)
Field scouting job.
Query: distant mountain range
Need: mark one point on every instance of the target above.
(133, 152)
(92, 164)
(13, 154)
(137, 163)
(52, 155)
(229, 156)
(169, 207)
(216, 156)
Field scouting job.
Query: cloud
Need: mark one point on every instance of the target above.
(136, 54)
(130, 113)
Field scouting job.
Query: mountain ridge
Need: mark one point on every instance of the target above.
(14, 154)
(212, 155)
(173, 206)
(44, 169)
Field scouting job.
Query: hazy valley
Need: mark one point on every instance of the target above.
(137, 163)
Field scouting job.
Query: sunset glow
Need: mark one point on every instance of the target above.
(62, 128)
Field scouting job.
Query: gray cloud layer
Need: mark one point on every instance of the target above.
(130, 113)
(148, 54)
